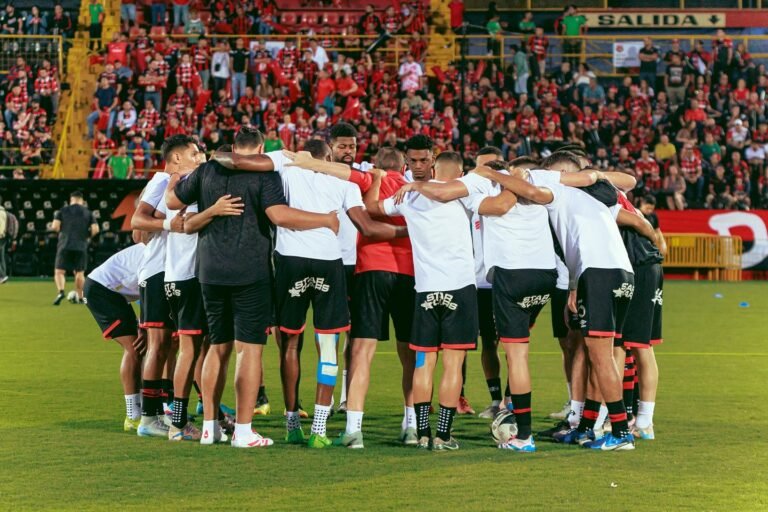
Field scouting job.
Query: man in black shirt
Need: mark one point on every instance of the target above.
(234, 268)
(649, 57)
(676, 81)
(75, 224)
(238, 66)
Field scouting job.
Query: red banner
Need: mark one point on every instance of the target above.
(751, 226)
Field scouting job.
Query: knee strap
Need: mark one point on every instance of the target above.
(327, 369)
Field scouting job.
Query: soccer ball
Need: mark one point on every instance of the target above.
(504, 426)
(72, 297)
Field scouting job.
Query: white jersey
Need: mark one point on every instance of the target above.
(120, 273)
(585, 227)
(154, 253)
(180, 252)
(518, 240)
(481, 273)
(313, 192)
(441, 239)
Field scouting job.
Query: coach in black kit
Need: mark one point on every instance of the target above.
(76, 225)
(234, 270)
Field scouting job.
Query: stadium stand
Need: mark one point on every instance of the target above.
(694, 132)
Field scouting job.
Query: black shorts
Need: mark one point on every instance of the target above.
(379, 295)
(111, 311)
(185, 300)
(349, 275)
(445, 320)
(71, 261)
(642, 327)
(301, 281)
(155, 311)
(602, 299)
(485, 317)
(518, 297)
(559, 303)
(241, 313)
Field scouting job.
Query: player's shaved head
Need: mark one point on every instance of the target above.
(248, 140)
(562, 161)
(449, 165)
(389, 159)
(524, 162)
(318, 149)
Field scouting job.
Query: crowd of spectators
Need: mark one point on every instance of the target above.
(690, 125)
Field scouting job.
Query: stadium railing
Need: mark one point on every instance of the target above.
(33, 48)
(719, 257)
(64, 147)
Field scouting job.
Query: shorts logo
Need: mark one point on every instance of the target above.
(582, 312)
(142, 284)
(626, 290)
(85, 301)
(299, 287)
(171, 290)
(439, 299)
(534, 300)
(658, 299)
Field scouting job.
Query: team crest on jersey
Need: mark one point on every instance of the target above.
(626, 290)
(658, 298)
(439, 299)
(299, 287)
(171, 290)
(534, 300)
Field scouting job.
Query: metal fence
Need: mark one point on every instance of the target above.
(34, 49)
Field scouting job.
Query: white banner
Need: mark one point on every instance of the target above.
(626, 54)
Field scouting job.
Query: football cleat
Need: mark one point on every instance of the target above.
(130, 425)
(489, 412)
(199, 408)
(252, 441)
(519, 445)
(227, 410)
(342, 409)
(561, 428)
(59, 297)
(318, 441)
(573, 436)
(302, 413)
(450, 445)
(188, 433)
(212, 437)
(152, 427)
(425, 443)
(563, 413)
(463, 406)
(262, 410)
(610, 443)
(409, 437)
(353, 441)
(645, 434)
(295, 436)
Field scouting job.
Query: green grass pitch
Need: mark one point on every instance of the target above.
(62, 445)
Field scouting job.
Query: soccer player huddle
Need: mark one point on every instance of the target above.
(238, 247)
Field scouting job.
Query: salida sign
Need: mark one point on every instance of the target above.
(655, 20)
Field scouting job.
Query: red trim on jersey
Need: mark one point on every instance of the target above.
(416, 348)
(332, 331)
(149, 325)
(465, 346)
(603, 334)
(657, 342)
(515, 340)
(110, 329)
(293, 331)
(190, 332)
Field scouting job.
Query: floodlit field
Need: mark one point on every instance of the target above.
(62, 444)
